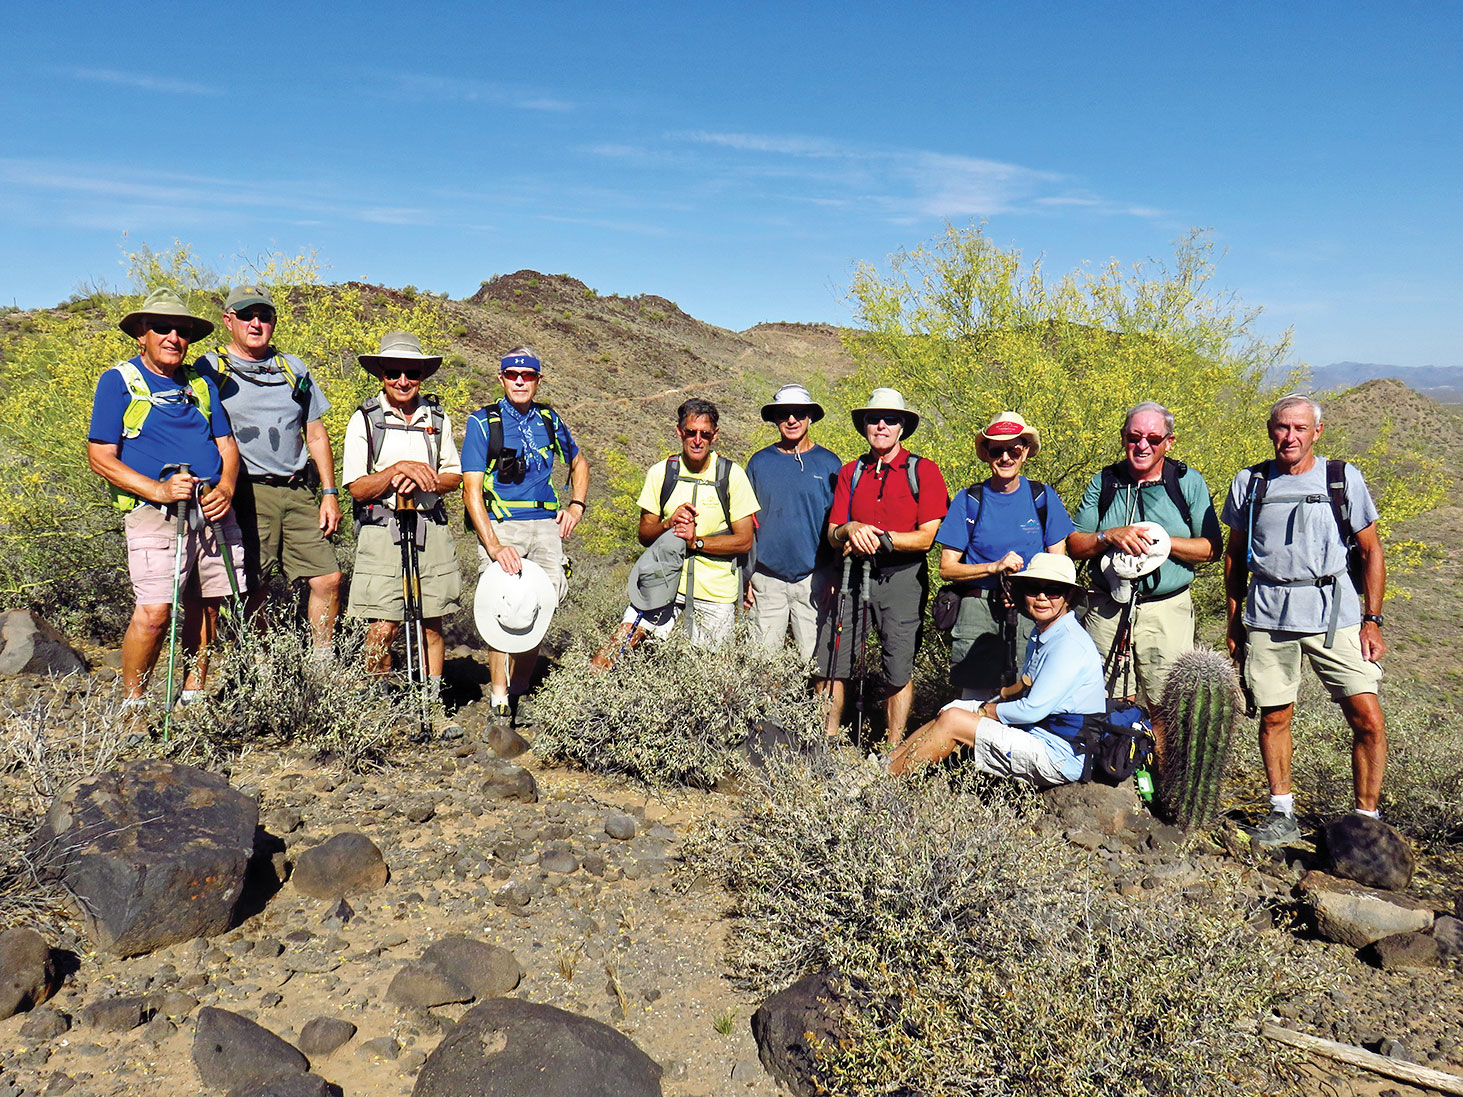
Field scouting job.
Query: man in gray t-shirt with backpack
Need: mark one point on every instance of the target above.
(276, 408)
(1305, 565)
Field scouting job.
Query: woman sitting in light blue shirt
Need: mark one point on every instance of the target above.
(1029, 737)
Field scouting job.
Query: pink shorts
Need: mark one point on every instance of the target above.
(152, 540)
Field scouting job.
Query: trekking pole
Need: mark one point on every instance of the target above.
(841, 605)
(223, 547)
(407, 520)
(861, 638)
(180, 513)
(1008, 630)
(1120, 655)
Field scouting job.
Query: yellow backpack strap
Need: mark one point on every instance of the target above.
(221, 363)
(141, 402)
(199, 385)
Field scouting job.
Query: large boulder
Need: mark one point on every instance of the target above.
(507, 1047)
(27, 975)
(155, 852)
(231, 1051)
(787, 1025)
(487, 970)
(29, 645)
(1350, 914)
(344, 864)
(1368, 851)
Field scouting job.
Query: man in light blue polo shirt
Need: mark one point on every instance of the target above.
(509, 454)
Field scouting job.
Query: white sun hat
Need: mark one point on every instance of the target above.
(513, 611)
(1121, 569)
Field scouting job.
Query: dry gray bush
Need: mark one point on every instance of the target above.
(1000, 962)
(671, 713)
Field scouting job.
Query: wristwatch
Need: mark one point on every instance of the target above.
(329, 491)
(1374, 618)
(700, 543)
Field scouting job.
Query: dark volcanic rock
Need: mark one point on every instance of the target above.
(1350, 914)
(27, 975)
(230, 1050)
(784, 1023)
(1403, 952)
(486, 970)
(291, 1085)
(506, 1047)
(348, 863)
(1367, 850)
(115, 1014)
(505, 781)
(505, 742)
(322, 1035)
(154, 851)
(418, 986)
(29, 645)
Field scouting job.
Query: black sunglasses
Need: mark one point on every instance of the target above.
(390, 374)
(167, 327)
(1051, 590)
(262, 313)
(888, 420)
(707, 434)
(1001, 451)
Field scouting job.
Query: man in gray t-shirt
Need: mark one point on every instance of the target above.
(1286, 565)
(276, 409)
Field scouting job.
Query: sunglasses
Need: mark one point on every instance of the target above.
(262, 314)
(797, 413)
(883, 420)
(167, 327)
(1153, 439)
(1051, 590)
(390, 374)
(706, 434)
(518, 374)
(1015, 449)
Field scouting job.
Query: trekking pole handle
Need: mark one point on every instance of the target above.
(183, 504)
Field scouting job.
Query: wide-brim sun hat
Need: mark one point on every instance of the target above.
(513, 612)
(886, 400)
(1127, 565)
(656, 576)
(1007, 427)
(1049, 567)
(400, 346)
(165, 303)
(791, 396)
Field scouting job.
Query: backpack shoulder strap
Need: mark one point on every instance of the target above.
(375, 418)
(222, 364)
(858, 474)
(1039, 500)
(1173, 472)
(723, 487)
(1108, 491)
(552, 423)
(493, 415)
(199, 387)
(974, 501)
(911, 468)
(672, 478)
(436, 420)
(1340, 504)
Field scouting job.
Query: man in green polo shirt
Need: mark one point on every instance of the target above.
(1147, 486)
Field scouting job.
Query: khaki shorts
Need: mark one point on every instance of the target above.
(376, 592)
(714, 620)
(778, 604)
(281, 527)
(535, 539)
(152, 542)
(1162, 631)
(1272, 665)
(1011, 752)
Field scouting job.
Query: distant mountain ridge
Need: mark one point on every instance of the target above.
(1442, 383)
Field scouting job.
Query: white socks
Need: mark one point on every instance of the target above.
(1284, 804)
(1368, 814)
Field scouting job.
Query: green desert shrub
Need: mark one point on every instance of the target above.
(267, 687)
(671, 713)
(997, 960)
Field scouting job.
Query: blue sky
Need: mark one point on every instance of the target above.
(739, 159)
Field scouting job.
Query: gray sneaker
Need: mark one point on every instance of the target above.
(1277, 830)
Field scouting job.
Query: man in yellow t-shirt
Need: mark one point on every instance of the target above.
(716, 522)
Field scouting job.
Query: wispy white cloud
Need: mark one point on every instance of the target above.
(758, 142)
(465, 89)
(138, 79)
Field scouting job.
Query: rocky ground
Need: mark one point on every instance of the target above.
(582, 886)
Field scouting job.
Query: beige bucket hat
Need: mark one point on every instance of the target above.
(886, 400)
(1007, 427)
(1050, 567)
(400, 346)
(165, 303)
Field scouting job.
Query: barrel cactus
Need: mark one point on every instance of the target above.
(1201, 708)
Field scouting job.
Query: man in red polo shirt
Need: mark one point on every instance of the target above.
(887, 507)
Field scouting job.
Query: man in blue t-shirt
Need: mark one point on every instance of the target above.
(794, 479)
(151, 416)
(508, 456)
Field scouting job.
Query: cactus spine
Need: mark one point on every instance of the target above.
(1201, 709)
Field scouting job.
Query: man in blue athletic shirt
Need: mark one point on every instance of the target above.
(153, 414)
(794, 477)
(509, 453)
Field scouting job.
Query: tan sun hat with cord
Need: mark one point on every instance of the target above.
(1008, 427)
(886, 400)
(1049, 567)
(400, 346)
(165, 303)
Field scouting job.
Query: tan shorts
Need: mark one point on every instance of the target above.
(535, 539)
(281, 528)
(1272, 665)
(152, 542)
(376, 592)
(1162, 631)
(1011, 752)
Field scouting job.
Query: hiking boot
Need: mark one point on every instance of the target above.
(500, 713)
(524, 715)
(1277, 830)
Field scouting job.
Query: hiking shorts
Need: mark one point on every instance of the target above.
(1005, 751)
(895, 610)
(977, 655)
(281, 527)
(778, 604)
(1161, 632)
(714, 620)
(536, 539)
(152, 542)
(1272, 665)
(376, 592)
